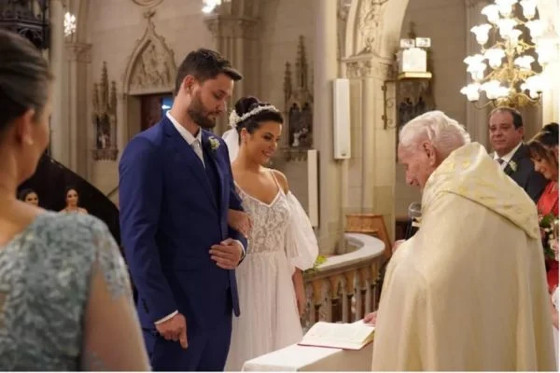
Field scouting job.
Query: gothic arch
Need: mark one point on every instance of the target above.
(151, 67)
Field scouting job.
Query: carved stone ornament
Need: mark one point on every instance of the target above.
(472, 3)
(151, 67)
(104, 118)
(147, 3)
(298, 101)
(232, 27)
(79, 52)
(369, 66)
(343, 8)
(370, 16)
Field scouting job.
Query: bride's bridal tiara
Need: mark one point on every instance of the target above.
(235, 119)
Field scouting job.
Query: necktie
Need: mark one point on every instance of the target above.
(198, 150)
(500, 161)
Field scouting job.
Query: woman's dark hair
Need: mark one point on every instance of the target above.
(543, 143)
(69, 188)
(252, 123)
(22, 195)
(24, 78)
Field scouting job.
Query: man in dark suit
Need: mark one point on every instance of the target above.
(506, 137)
(175, 189)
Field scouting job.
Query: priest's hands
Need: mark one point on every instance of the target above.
(371, 318)
(396, 245)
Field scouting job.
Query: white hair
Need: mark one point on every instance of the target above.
(445, 133)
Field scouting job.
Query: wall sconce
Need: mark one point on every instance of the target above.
(412, 62)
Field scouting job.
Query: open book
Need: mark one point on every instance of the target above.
(352, 336)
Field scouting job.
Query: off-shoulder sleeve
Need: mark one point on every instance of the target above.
(112, 337)
(301, 244)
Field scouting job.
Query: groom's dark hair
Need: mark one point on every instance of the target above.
(204, 64)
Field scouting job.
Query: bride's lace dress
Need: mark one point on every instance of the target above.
(280, 240)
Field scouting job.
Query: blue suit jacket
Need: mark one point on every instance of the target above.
(170, 217)
(524, 175)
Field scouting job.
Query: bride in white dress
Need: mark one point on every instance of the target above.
(280, 245)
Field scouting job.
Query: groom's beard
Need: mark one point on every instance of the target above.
(197, 114)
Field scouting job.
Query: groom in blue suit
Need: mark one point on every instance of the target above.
(175, 187)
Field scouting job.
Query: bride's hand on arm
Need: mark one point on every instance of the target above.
(240, 221)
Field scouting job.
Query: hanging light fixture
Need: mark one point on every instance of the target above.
(69, 24)
(208, 6)
(507, 71)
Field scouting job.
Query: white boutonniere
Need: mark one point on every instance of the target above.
(513, 165)
(214, 143)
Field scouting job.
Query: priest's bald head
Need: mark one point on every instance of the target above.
(425, 141)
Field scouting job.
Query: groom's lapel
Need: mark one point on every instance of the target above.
(212, 155)
(187, 156)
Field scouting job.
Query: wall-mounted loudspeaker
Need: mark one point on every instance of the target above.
(341, 118)
(313, 186)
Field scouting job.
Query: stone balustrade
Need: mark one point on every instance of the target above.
(345, 287)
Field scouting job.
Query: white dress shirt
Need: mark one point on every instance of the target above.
(196, 143)
(506, 158)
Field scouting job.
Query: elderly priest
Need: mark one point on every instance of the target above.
(468, 291)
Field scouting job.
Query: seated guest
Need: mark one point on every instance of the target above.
(506, 136)
(467, 291)
(65, 297)
(72, 202)
(29, 196)
(543, 149)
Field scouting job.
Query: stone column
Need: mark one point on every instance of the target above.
(59, 119)
(235, 37)
(330, 181)
(373, 162)
(476, 119)
(549, 11)
(79, 56)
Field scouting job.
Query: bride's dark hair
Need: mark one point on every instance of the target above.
(252, 123)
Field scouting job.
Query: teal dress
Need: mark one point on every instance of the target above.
(45, 274)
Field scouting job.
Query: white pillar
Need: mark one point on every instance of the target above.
(59, 123)
(476, 119)
(549, 11)
(233, 37)
(330, 209)
(78, 58)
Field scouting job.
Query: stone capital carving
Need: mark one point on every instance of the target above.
(147, 3)
(78, 52)
(473, 3)
(105, 118)
(368, 66)
(151, 67)
(230, 26)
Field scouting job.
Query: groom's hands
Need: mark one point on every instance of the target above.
(174, 329)
(227, 254)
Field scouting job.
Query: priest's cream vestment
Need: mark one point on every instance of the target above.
(468, 291)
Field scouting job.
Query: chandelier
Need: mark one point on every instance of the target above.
(69, 24)
(508, 70)
(208, 6)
